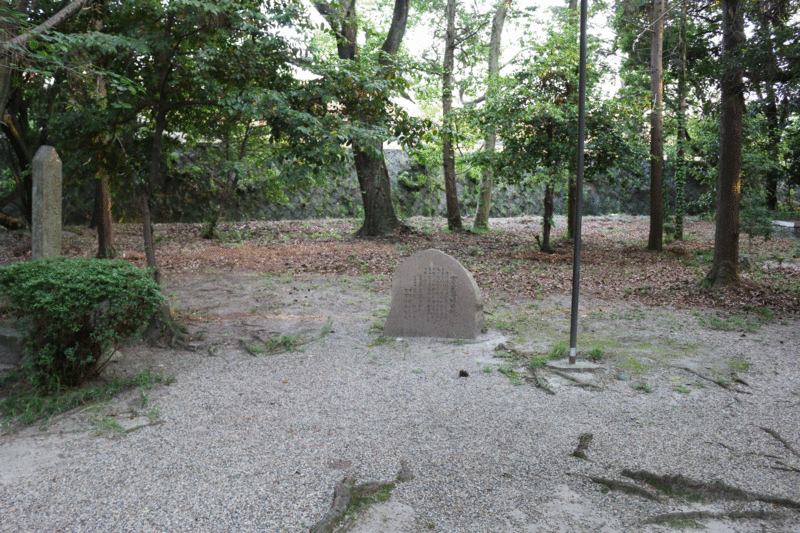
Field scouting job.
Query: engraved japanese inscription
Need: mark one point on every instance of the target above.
(434, 295)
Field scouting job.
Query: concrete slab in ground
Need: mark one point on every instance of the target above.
(579, 366)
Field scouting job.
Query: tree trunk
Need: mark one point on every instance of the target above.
(448, 154)
(5, 84)
(153, 177)
(481, 222)
(681, 168)
(572, 199)
(547, 223)
(105, 228)
(572, 180)
(766, 76)
(373, 178)
(729, 188)
(103, 221)
(656, 237)
(147, 233)
(774, 134)
(487, 180)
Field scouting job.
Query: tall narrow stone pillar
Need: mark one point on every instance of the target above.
(46, 231)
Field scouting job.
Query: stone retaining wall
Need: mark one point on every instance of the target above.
(416, 193)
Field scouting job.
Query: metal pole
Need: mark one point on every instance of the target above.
(576, 260)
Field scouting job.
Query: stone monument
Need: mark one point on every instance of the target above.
(46, 212)
(433, 295)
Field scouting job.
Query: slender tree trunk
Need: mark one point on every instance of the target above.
(487, 186)
(487, 180)
(572, 180)
(774, 134)
(656, 237)
(105, 228)
(572, 201)
(104, 224)
(681, 168)
(547, 224)
(154, 176)
(725, 269)
(765, 76)
(147, 233)
(448, 153)
(152, 179)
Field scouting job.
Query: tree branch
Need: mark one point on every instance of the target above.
(56, 20)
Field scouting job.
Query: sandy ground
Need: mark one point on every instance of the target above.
(672, 396)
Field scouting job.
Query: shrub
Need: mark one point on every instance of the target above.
(76, 311)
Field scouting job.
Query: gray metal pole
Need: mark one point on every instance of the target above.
(576, 261)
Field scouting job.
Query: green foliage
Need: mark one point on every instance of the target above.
(535, 114)
(77, 311)
(596, 354)
(756, 218)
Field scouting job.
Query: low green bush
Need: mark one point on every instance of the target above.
(76, 311)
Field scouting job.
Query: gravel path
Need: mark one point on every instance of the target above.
(258, 443)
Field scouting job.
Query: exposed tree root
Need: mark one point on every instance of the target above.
(165, 330)
(156, 423)
(577, 382)
(583, 445)
(341, 499)
(534, 378)
(275, 343)
(708, 515)
(721, 382)
(774, 434)
(349, 497)
(624, 486)
(691, 489)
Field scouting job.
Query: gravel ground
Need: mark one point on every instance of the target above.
(248, 442)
